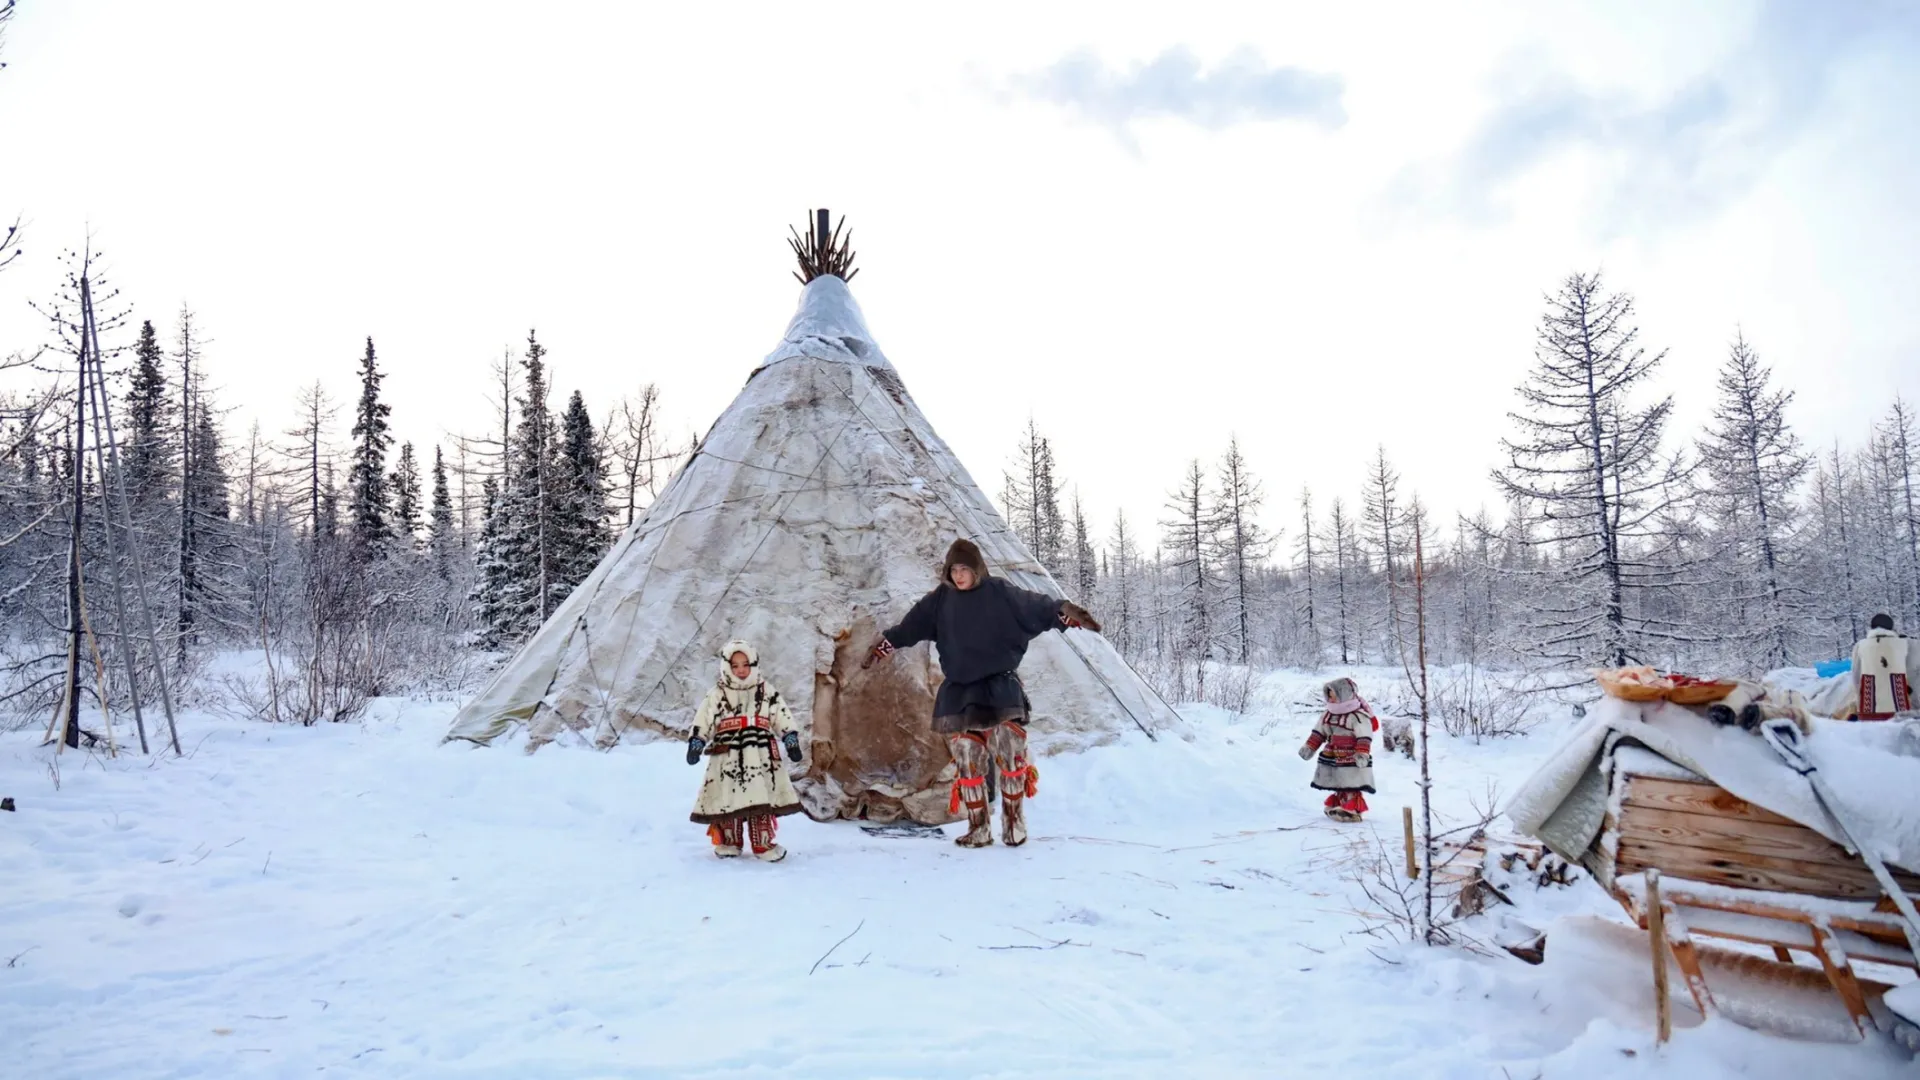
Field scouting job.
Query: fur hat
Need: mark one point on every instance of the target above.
(966, 553)
(726, 671)
(1878, 622)
(1343, 697)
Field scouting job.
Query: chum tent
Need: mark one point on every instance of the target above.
(813, 514)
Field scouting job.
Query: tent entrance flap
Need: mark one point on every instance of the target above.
(871, 736)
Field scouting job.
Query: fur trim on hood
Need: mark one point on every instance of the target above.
(726, 664)
(1343, 697)
(964, 552)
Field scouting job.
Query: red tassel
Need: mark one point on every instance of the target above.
(953, 801)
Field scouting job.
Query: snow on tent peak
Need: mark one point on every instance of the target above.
(816, 511)
(828, 325)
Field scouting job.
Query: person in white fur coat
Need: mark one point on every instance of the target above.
(1884, 672)
(741, 727)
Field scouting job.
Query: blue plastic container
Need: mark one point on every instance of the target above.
(1827, 669)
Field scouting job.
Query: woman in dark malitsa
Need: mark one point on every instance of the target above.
(982, 625)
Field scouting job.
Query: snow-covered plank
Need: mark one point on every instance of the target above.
(1746, 870)
(1695, 798)
(1731, 835)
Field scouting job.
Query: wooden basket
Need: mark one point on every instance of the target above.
(1700, 693)
(1629, 691)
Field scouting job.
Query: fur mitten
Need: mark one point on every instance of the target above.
(1074, 615)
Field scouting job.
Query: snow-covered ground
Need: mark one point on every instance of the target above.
(361, 900)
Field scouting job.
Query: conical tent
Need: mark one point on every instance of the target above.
(814, 513)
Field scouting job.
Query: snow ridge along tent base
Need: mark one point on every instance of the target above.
(814, 512)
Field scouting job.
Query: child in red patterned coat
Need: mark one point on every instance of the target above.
(1344, 739)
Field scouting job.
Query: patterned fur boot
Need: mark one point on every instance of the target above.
(1008, 742)
(1349, 807)
(1013, 810)
(726, 838)
(760, 832)
(970, 754)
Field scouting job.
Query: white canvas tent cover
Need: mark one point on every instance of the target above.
(814, 513)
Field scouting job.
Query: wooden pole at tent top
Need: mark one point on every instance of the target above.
(823, 251)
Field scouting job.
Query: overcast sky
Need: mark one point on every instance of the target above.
(1145, 227)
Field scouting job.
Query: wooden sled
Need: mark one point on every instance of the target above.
(1689, 860)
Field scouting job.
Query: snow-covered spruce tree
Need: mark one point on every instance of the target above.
(1053, 523)
(491, 576)
(1086, 578)
(30, 560)
(1590, 459)
(367, 479)
(1032, 497)
(580, 511)
(212, 484)
(1187, 533)
(150, 450)
(524, 518)
(403, 485)
(1754, 466)
(1238, 545)
(200, 548)
(442, 541)
(329, 504)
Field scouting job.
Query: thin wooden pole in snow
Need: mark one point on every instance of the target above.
(107, 467)
(1406, 827)
(1426, 777)
(119, 481)
(71, 735)
(1657, 937)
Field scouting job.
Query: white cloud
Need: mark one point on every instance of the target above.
(1240, 89)
(1656, 156)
